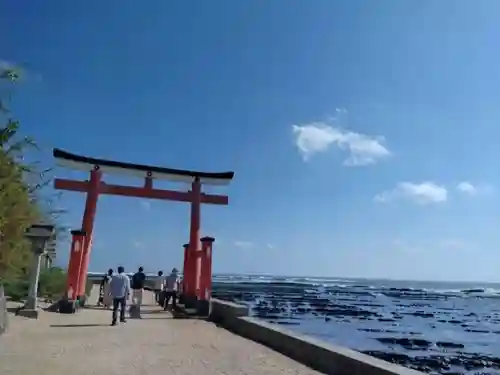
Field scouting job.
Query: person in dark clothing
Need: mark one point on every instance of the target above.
(138, 281)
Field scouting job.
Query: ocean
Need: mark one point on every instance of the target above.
(435, 327)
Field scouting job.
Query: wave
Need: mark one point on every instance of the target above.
(389, 288)
(386, 288)
(309, 281)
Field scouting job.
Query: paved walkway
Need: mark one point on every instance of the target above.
(85, 344)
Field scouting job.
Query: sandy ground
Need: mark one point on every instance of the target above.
(86, 344)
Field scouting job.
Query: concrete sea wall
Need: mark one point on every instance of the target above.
(321, 356)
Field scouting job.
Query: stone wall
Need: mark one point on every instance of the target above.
(3, 311)
(321, 356)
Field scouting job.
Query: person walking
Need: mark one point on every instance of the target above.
(171, 287)
(138, 281)
(119, 288)
(101, 290)
(106, 299)
(158, 288)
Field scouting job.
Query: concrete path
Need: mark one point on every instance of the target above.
(86, 344)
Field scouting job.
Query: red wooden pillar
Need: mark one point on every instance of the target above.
(206, 268)
(194, 241)
(75, 259)
(88, 226)
(198, 271)
(185, 269)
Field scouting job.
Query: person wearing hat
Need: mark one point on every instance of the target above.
(171, 287)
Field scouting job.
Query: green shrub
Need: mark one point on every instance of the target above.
(15, 288)
(52, 283)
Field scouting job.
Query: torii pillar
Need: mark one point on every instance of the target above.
(68, 304)
(184, 272)
(88, 228)
(192, 269)
(205, 276)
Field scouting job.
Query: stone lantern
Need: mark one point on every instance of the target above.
(38, 235)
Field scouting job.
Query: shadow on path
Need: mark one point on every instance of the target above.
(77, 325)
(95, 307)
(156, 317)
(156, 311)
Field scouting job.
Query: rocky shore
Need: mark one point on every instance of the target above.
(436, 332)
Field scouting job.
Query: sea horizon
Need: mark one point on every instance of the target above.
(331, 278)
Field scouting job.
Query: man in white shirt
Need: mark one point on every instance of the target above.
(171, 287)
(158, 287)
(119, 289)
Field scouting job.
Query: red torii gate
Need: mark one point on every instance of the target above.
(197, 260)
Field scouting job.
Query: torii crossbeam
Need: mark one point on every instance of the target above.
(82, 239)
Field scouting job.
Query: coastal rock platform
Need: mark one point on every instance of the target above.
(437, 328)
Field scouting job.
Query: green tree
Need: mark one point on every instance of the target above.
(21, 201)
(17, 210)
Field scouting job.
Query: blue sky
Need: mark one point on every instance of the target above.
(364, 134)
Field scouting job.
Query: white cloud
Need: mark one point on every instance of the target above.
(146, 205)
(468, 188)
(318, 137)
(270, 246)
(423, 193)
(243, 244)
